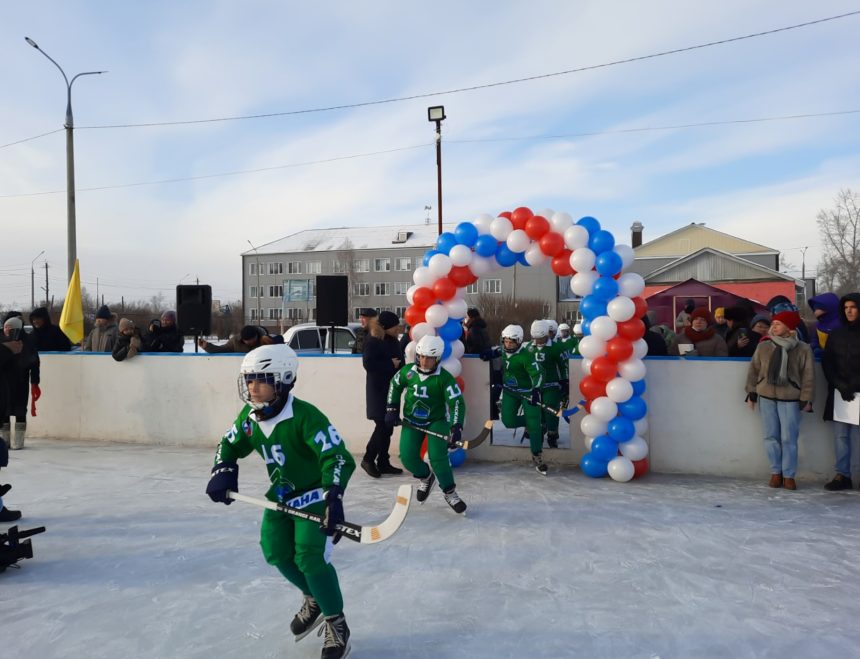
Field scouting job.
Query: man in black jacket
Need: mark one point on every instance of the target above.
(22, 378)
(48, 336)
(164, 335)
(9, 351)
(477, 338)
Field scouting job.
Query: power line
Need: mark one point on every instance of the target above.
(34, 137)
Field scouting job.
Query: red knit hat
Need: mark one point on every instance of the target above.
(791, 319)
(702, 312)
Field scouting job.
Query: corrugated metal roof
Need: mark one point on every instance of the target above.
(693, 237)
(713, 265)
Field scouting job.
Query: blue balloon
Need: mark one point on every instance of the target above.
(451, 330)
(446, 351)
(521, 257)
(429, 255)
(621, 429)
(505, 256)
(601, 241)
(591, 224)
(592, 307)
(457, 457)
(593, 467)
(604, 448)
(445, 242)
(605, 288)
(486, 245)
(638, 387)
(608, 263)
(634, 409)
(586, 327)
(466, 234)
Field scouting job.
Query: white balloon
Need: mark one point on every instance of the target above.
(604, 409)
(483, 222)
(456, 307)
(632, 369)
(409, 351)
(423, 277)
(582, 259)
(439, 265)
(586, 366)
(535, 256)
(604, 328)
(619, 390)
(501, 228)
(410, 292)
(631, 284)
(436, 315)
(546, 213)
(588, 442)
(640, 349)
(421, 330)
(518, 240)
(641, 425)
(619, 309)
(560, 223)
(591, 426)
(591, 347)
(480, 265)
(627, 255)
(453, 366)
(582, 283)
(577, 329)
(621, 469)
(634, 449)
(576, 237)
(457, 350)
(460, 255)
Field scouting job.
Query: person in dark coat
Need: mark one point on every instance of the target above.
(128, 342)
(21, 378)
(827, 318)
(841, 365)
(477, 337)
(9, 351)
(656, 343)
(164, 335)
(48, 336)
(361, 333)
(249, 337)
(382, 358)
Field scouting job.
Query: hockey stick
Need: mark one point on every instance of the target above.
(564, 414)
(361, 533)
(466, 444)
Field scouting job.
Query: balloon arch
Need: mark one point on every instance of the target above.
(612, 307)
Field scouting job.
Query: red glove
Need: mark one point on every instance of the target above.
(36, 392)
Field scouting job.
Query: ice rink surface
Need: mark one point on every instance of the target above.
(137, 562)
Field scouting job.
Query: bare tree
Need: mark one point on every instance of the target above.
(500, 311)
(839, 227)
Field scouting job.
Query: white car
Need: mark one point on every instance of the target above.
(308, 338)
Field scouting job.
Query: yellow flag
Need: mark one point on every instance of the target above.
(72, 318)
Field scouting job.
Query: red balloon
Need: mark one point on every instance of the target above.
(619, 349)
(423, 297)
(506, 214)
(592, 388)
(461, 276)
(536, 226)
(632, 330)
(520, 216)
(444, 289)
(561, 264)
(641, 307)
(603, 369)
(414, 315)
(640, 467)
(552, 244)
(460, 383)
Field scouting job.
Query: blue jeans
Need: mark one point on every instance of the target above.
(781, 421)
(843, 433)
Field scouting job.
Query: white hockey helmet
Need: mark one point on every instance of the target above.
(276, 365)
(429, 346)
(553, 326)
(564, 328)
(513, 333)
(540, 329)
(577, 329)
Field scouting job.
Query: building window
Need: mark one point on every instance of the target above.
(253, 314)
(293, 268)
(382, 288)
(294, 314)
(276, 268)
(276, 290)
(472, 288)
(314, 267)
(355, 313)
(492, 286)
(399, 311)
(361, 288)
(361, 265)
(381, 265)
(312, 288)
(339, 267)
(276, 314)
(252, 268)
(400, 287)
(253, 292)
(403, 263)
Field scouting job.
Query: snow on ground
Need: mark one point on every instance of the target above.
(137, 562)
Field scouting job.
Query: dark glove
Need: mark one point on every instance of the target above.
(565, 386)
(535, 399)
(225, 476)
(36, 392)
(752, 396)
(333, 512)
(456, 436)
(847, 395)
(392, 417)
(487, 355)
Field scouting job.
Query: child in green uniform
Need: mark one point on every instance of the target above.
(309, 467)
(552, 355)
(433, 402)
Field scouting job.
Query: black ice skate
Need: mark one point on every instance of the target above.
(307, 619)
(7, 515)
(454, 500)
(552, 439)
(424, 488)
(336, 645)
(539, 464)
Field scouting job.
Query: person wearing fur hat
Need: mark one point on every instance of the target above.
(48, 336)
(164, 335)
(841, 365)
(128, 342)
(103, 336)
(21, 379)
(780, 380)
(701, 335)
(828, 317)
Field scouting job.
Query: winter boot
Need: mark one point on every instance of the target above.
(307, 619)
(7, 515)
(336, 645)
(6, 433)
(775, 480)
(789, 484)
(4, 489)
(20, 433)
(424, 488)
(454, 500)
(839, 482)
(370, 468)
(552, 439)
(539, 464)
(385, 467)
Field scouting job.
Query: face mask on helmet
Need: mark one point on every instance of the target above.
(272, 370)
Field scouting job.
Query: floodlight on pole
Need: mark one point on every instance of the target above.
(33, 281)
(436, 114)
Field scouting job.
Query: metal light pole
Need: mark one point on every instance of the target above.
(33, 281)
(436, 114)
(259, 320)
(70, 156)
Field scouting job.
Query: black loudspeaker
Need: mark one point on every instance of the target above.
(332, 300)
(194, 310)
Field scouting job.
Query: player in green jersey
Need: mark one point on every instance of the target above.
(309, 467)
(552, 355)
(434, 402)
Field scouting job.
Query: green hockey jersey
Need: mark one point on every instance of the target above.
(521, 370)
(429, 398)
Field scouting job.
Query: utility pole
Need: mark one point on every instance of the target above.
(47, 294)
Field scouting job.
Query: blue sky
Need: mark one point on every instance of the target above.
(174, 61)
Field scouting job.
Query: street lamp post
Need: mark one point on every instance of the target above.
(259, 320)
(33, 281)
(70, 156)
(436, 114)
